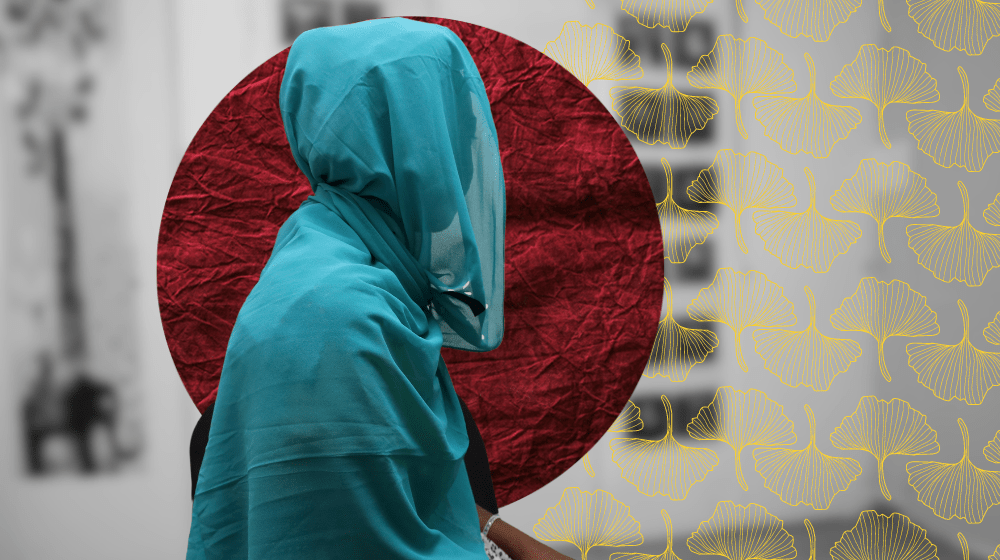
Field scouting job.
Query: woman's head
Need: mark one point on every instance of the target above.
(388, 108)
(395, 110)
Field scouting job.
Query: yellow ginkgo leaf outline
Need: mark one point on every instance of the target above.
(992, 331)
(937, 247)
(817, 27)
(712, 424)
(992, 212)
(943, 485)
(966, 372)
(743, 186)
(808, 481)
(992, 98)
(672, 15)
(655, 115)
(742, 533)
(878, 68)
(589, 519)
(884, 537)
(882, 434)
(740, 300)
(662, 467)
(819, 240)
(960, 137)
(992, 449)
(776, 348)
(914, 321)
(694, 225)
(776, 77)
(812, 539)
(927, 15)
(628, 421)
(805, 124)
(882, 18)
(872, 187)
(667, 554)
(574, 51)
(669, 357)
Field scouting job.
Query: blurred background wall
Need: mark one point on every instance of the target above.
(100, 99)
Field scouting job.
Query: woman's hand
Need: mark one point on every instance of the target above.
(516, 544)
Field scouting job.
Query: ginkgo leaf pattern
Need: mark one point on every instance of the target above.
(996, 554)
(740, 300)
(741, 182)
(628, 420)
(806, 357)
(589, 519)
(959, 252)
(805, 476)
(885, 191)
(992, 98)
(805, 124)
(992, 331)
(587, 466)
(992, 449)
(742, 66)
(677, 349)
(682, 229)
(743, 533)
(992, 212)
(808, 238)
(877, 536)
(965, 546)
(955, 371)
(594, 53)
(883, 310)
(662, 115)
(966, 25)
(667, 554)
(740, 11)
(884, 77)
(672, 15)
(741, 419)
(812, 539)
(952, 138)
(812, 18)
(885, 428)
(662, 467)
(952, 490)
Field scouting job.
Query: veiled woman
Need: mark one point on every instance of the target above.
(336, 431)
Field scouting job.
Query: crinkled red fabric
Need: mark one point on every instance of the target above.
(583, 255)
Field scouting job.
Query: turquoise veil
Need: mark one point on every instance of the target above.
(390, 117)
(337, 432)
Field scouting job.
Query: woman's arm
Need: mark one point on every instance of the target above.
(516, 544)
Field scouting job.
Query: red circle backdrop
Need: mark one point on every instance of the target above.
(583, 268)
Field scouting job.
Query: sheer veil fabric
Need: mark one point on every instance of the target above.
(395, 112)
(337, 432)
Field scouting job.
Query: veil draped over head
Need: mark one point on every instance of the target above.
(390, 118)
(337, 432)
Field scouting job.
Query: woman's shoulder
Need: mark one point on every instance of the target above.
(326, 294)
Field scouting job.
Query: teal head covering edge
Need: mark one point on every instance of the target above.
(390, 122)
